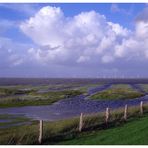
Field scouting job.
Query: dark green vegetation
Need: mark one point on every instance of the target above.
(42, 94)
(32, 97)
(29, 95)
(95, 131)
(13, 91)
(119, 91)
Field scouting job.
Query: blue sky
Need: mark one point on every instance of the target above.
(73, 40)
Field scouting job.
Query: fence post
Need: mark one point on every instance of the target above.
(107, 115)
(81, 122)
(141, 107)
(40, 131)
(125, 112)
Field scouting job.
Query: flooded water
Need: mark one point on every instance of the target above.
(5, 120)
(72, 107)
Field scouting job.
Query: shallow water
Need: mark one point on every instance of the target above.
(72, 106)
(5, 120)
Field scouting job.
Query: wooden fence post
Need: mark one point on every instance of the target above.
(141, 107)
(40, 131)
(125, 112)
(81, 122)
(107, 115)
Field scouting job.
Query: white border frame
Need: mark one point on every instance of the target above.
(73, 1)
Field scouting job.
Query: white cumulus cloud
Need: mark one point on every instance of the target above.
(86, 37)
(85, 41)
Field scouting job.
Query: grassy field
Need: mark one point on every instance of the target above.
(119, 91)
(144, 87)
(134, 132)
(66, 131)
(31, 97)
(28, 95)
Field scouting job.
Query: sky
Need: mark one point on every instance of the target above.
(74, 40)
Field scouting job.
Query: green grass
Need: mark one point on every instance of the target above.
(34, 98)
(17, 96)
(27, 95)
(13, 91)
(131, 133)
(66, 131)
(118, 91)
(144, 87)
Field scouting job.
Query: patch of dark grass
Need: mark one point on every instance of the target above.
(13, 91)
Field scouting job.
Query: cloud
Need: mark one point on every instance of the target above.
(84, 44)
(143, 16)
(136, 45)
(12, 53)
(86, 37)
(5, 25)
(27, 9)
(116, 9)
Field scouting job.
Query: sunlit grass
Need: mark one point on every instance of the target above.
(119, 91)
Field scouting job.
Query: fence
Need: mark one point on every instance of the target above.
(107, 116)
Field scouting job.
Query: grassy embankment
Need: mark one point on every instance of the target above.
(132, 133)
(11, 97)
(94, 130)
(118, 91)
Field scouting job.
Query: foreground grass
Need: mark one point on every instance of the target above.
(118, 91)
(132, 133)
(66, 131)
